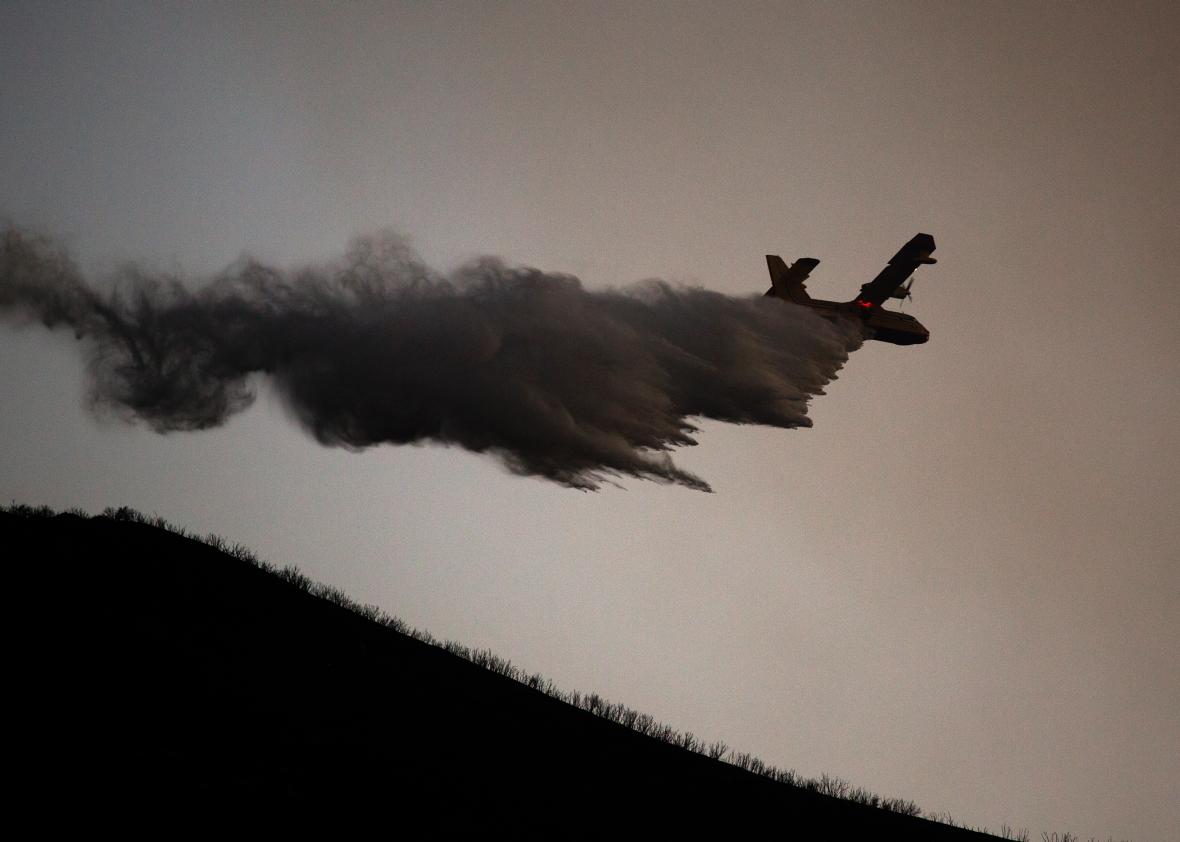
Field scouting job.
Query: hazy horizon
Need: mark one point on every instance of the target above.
(960, 586)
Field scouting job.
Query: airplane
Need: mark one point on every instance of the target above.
(884, 325)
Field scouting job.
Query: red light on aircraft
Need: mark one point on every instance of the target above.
(865, 304)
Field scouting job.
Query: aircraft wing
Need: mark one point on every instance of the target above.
(912, 255)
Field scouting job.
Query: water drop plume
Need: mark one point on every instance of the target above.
(557, 381)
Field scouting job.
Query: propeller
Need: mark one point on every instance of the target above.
(903, 292)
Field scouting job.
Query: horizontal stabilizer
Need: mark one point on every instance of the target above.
(787, 281)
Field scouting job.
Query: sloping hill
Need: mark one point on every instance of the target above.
(153, 668)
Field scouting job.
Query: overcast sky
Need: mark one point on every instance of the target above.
(960, 586)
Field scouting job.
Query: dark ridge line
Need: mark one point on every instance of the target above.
(643, 724)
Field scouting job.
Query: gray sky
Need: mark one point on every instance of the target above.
(960, 586)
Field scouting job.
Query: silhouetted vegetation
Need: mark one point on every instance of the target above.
(644, 724)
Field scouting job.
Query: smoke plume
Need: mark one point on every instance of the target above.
(557, 381)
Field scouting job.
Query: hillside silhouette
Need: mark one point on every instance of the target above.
(154, 668)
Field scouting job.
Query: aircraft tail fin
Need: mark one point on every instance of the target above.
(787, 281)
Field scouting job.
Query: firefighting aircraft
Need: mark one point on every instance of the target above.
(883, 325)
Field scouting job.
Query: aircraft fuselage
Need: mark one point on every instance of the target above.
(787, 283)
(884, 325)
